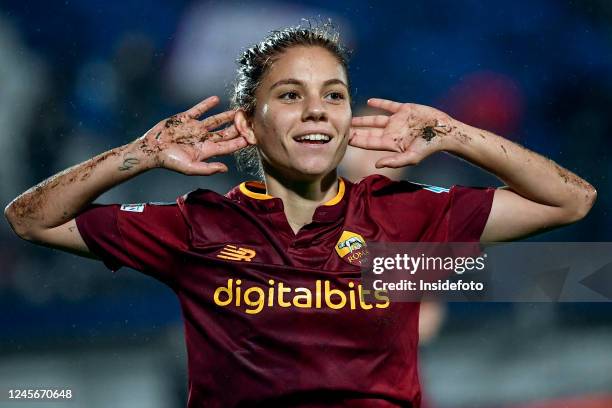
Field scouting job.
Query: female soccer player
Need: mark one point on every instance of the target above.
(268, 275)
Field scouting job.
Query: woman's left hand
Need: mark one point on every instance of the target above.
(412, 131)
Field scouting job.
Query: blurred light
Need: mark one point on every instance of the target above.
(211, 35)
(488, 100)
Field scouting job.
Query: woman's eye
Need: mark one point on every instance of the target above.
(289, 95)
(337, 96)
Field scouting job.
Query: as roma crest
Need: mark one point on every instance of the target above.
(351, 247)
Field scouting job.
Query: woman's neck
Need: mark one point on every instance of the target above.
(301, 198)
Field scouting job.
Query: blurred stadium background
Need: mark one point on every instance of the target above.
(80, 77)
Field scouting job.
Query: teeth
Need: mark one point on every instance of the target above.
(314, 137)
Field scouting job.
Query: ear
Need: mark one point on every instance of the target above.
(244, 127)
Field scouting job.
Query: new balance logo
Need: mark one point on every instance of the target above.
(236, 254)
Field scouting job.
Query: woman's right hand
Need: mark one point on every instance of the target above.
(182, 142)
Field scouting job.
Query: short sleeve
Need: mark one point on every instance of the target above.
(145, 237)
(467, 211)
(414, 212)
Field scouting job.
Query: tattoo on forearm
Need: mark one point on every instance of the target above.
(129, 163)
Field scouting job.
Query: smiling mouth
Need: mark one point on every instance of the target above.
(313, 138)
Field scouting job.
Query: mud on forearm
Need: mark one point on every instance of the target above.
(576, 189)
(60, 197)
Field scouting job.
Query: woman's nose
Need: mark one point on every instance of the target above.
(314, 110)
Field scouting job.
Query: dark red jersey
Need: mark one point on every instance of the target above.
(274, 318)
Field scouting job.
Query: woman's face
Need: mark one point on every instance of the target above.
(303, 114)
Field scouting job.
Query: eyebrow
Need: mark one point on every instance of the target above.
(293, 81)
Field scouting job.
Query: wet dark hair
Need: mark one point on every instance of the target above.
(255, 61)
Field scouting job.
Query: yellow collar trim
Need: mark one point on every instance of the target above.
(256, 184)
(338, 197)
(244, 188)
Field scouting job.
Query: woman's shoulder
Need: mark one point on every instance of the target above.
(205, 200)
(200, 196)
(379, 186)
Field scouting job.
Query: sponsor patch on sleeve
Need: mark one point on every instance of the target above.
(433, 189)
(437, 189)
(133, 207)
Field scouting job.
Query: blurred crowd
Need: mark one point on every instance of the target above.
(78, 78)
